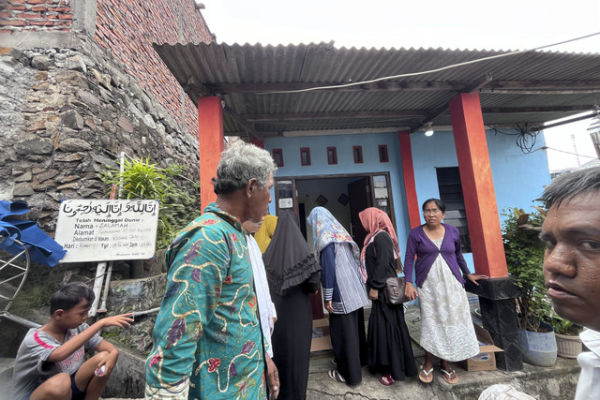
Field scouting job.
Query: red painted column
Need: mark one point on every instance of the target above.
(478, 185)
(211, 144)
(412, 204)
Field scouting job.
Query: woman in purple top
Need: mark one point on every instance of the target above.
(446, 328)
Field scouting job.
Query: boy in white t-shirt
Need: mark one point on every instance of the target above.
(50, 362)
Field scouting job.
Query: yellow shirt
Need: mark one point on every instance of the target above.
(265, 233)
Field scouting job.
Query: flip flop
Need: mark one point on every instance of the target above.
(450, 376)
(336, 376)
(426, 376)
(386, 380)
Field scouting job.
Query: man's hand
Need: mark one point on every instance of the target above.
(329, 306)
(273, 376)
(410, 292)
(373, 294)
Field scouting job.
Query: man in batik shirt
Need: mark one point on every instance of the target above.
(207, 336)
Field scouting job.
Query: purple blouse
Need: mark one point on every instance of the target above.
(426, 251)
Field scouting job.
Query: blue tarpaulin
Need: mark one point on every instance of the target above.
(42, 248)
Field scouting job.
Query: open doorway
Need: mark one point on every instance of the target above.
(344, 196)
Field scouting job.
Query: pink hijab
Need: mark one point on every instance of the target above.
(374, 221)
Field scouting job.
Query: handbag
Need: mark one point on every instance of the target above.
(394, 288)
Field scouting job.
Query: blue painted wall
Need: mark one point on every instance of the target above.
(344, 143)
(518, 178)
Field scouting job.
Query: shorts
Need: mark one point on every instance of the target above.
(76, 394)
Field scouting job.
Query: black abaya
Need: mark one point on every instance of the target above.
(291, 340)
(388, 339)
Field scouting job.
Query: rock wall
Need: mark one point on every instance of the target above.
(65, 115)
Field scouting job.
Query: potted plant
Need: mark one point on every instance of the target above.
(568, 342)
(525, 256)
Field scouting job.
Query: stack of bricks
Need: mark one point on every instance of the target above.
(35, 15)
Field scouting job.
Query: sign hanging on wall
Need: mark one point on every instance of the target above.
(105, 230)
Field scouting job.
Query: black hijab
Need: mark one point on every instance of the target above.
(288, 260)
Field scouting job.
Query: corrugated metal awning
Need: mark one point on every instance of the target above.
(252, 80)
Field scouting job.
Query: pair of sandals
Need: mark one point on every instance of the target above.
(426, 376)
(336, 376)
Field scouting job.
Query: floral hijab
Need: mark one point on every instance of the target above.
(326, 229)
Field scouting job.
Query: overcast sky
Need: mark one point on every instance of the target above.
(459, 24)
(471, 24)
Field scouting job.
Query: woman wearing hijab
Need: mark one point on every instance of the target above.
(344, 294)
(293, 274)
(446, 326)
(390, 351)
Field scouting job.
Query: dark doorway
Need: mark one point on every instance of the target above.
(360, 196)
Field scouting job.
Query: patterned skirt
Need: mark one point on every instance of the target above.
(446, 327)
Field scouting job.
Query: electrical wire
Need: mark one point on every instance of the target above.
(525, 139)
(566, 152)
(447, 67)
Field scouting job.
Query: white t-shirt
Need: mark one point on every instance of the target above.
(588, 387)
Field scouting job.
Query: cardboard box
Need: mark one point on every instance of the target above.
(485, 360)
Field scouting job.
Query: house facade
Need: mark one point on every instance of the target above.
(340, 184)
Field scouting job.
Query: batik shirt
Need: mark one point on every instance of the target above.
(207, 330)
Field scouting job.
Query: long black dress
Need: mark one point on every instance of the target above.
(388, 339)
(293, 273)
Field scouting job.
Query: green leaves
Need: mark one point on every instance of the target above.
(525, 258)
(142, 179)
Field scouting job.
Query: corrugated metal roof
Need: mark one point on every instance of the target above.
(530, 87)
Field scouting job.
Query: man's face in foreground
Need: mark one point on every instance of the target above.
(572, 259)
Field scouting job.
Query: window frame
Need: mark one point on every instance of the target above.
(305, 150)
(360, 158)
(383, 147)
(279, 152)
(334, 160)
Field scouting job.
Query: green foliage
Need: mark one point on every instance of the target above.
(143, 180)
(564, 326)
(525, 257)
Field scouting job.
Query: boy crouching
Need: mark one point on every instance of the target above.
(50, 361)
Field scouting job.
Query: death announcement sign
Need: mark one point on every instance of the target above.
(104, 230)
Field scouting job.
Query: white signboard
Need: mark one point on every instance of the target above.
(104, 230)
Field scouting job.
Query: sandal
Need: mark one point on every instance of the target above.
(336, 376)
(426, 376)
(386, 380)
(450, 376)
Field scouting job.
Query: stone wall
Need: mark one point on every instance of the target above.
(74, 95)
(35, 15)
(65, 115)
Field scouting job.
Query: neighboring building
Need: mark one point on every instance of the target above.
(80, 82)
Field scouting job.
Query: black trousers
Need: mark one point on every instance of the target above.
(349, 344)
